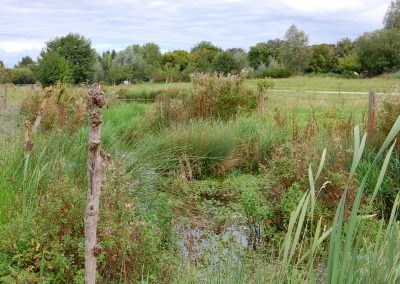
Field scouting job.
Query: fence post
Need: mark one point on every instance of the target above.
(95, 103)
(5, 96)
(27, 142)
(261, 104)
(371, 114)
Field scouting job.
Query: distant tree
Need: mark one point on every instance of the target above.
(274, 46)
(206, 45)
(152, 57)
(224, 62)
(202, 56)
(1, 63)
(392, 16)
(22, 75)
(53, 67)
(77, 52)
(295, 54)
(106, 62)
(321, 58)
(259, 55)
(379, 51)
(343, 47)
(120, 73)
(349, 64)
(176, 59)
(113, 54)
(240, 57)
(25, 61)
(99, 73)
(132, 58)
(4, 74)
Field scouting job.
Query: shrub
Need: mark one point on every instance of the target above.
(389, 111)
(211, 96)
(64, 109)
(272, 73)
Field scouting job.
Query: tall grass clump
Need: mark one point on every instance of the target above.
(351, 251)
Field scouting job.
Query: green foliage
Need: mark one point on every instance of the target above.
(4, 75)
(176, 59)
(259, 55)
(117, 74)
(224, 62)
(77, 52)
(290, 198)
(294, 53)
(321, 59)
(271, 73)
(379, 51)
(202, 56)
(392, 16)
(22, 75)
(25, 61)
(52, 67)
(349, 64)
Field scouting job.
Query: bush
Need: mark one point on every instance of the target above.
(271, 73)
(211, 96)
(64, 109)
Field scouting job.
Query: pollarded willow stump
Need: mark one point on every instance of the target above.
(95, 102)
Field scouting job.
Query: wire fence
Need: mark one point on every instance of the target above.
(297, 95)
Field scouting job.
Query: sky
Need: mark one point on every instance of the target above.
(26, 25)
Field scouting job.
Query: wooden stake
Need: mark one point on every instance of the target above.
(261, 104)
(371, 114)
(27, 143)
(5, 96)
(39, 114)
(95, 103)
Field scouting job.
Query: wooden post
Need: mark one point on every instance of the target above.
(27, 142)
(42, 106)
(95, 103)
(371, 114)
(5, 96)
(261, 104)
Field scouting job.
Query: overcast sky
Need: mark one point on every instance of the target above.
(25, 25)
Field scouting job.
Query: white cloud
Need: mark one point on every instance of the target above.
(26, 25)
(19, 46)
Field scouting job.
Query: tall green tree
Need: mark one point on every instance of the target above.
(224, 62)
(77, 52)
(53, 67)
(25, 61)
(321, 59)
(379, 51)
(176, 59)
(295, 55)
(202, 56)
(259, 55)
(392, 16)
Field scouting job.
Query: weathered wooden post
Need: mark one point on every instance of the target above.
(95, 103)
(261, 104)
(42, 106)
(27, 142)
(5, 94)
(371, 114)
(262, 87)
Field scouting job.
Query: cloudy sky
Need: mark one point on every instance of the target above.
(25, 25)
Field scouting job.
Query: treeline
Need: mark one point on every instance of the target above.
(71, 58)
